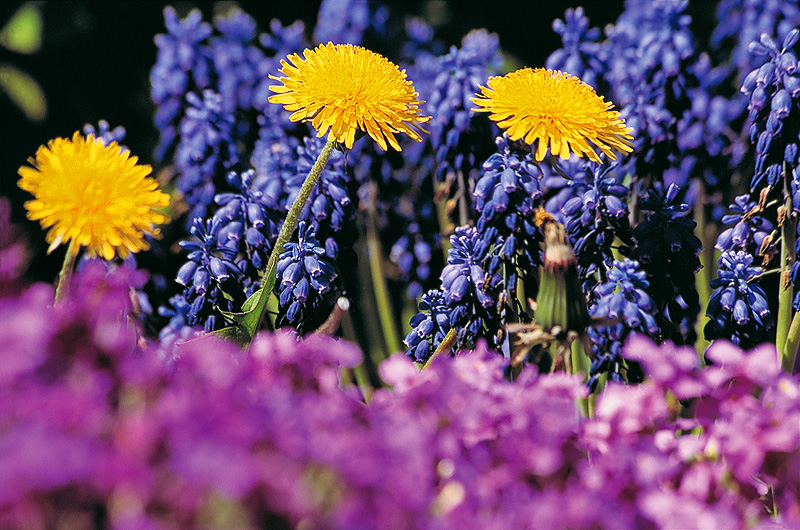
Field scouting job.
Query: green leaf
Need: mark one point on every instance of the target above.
(24, 91)
(244, 324)
(23, 32)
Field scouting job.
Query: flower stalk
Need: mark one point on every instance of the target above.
(787, 223)
(65, 276)
(292, 218)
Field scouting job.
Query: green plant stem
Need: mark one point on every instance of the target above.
(375, 257)
(293, 217)
(785, 285)
(362, 381)
(792, 341)
(703, 276)
(65, 276)
(580, 366)
(444, 347)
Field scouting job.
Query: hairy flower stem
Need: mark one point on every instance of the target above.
(293, 217)
(65, 276)
(788, 227)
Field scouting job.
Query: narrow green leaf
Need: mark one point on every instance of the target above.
(23, 32)
(24, 91)
(244, 324)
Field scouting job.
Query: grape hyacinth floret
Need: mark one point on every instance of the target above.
(246, 222)
(596, 213)
(623, 297)
(738, 308)
(471, 292)
(182, 65)
(774, 92)
(668, 251)
(580, 53)
(305, 283)
(429, 326)
(210, 277)
(506, 197)
(469, 296)
(206, 147)
(457, 135)
(104, 132)
(749, 229)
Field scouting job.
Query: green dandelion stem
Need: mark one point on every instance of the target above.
(784, 317)
(65, 276)
(293, 217)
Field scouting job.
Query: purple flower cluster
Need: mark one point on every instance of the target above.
(738, 309)
(457, 135)
(749, 230)
(418, 250)
(741, 22)
(305, 283)
(469, 297)
(342, 21)
(623, 301)
(97, 432)
(774, 92)
(209, 85)
(594, 207)
(649, 66)
(206, 147)
(667, 250)
(580, 54)
(506, 197)
(13, 252)
(210, 277)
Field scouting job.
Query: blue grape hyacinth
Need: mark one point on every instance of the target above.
(206, 147)
(738, 308)
(747, 229)
(506, 196)
(668, 250)
(774, 90)
(457, 135)
(469, 297)
(210, 276)
(623, 298)
(246, 221)
(305, 282)
(596, 212)
(429, 326)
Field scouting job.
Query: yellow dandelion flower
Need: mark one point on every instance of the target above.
(341, 88)
(556, 109)
(92, 195)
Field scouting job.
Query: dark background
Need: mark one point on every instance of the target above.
(95, 60)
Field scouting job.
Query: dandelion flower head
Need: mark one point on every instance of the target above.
(92, 195)
(341, 88)
(558, 110)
